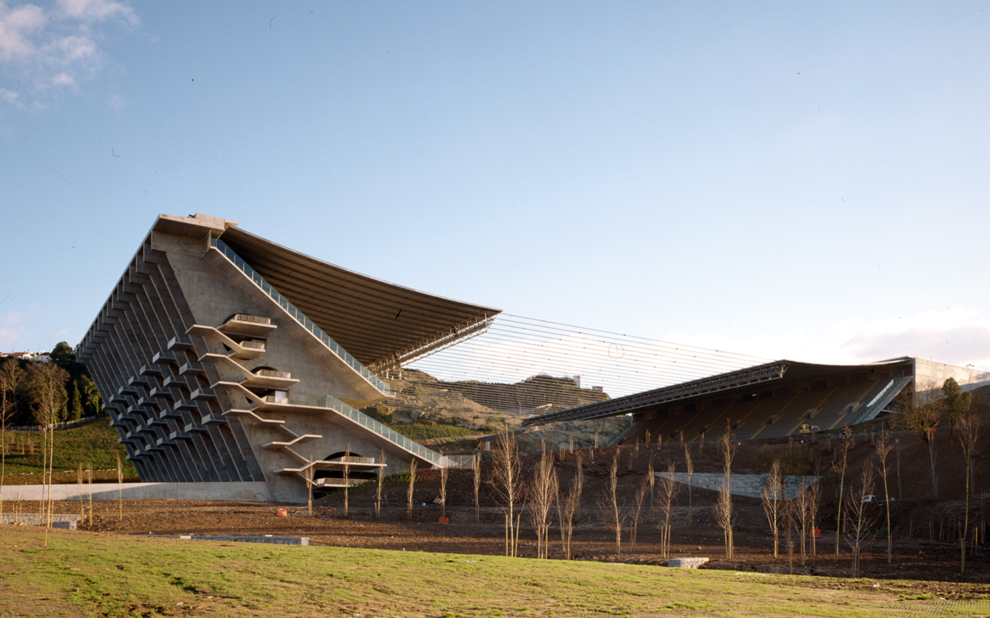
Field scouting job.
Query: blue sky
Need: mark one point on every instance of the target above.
(801, 180)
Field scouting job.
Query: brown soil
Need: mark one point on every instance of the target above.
(919, 565)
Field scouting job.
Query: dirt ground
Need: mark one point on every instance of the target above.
(919, 566)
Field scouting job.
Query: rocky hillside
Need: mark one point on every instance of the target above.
(420, 399)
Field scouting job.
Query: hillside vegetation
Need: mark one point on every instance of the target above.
(90, 444)
(423, 407)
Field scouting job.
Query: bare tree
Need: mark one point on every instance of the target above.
(309, 483)
(814, 492)
(772, 497)
(668, 488)
(689, 468)
(543, 490)
(476, 469)
(381, 478)
(79, 482)
(641, 491)
(120, 490)
(848, 441)
(790, 523)
(47, 381)
(651, 478)
(10, 377)
(884, 444)
(969, 429)
(608, 503)
(801, 513)
(897, 452)
(860, 514)
(444, 475)
(722, 509)
(579, 478)
(347, 479)
(567, 516)
(506, 470)
(411, 489)
(921, 414)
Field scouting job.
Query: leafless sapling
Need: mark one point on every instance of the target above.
(308, 473)
(969, 432)
(667, 489)
(542, 491)
(651, 478)
(381, 477)
(640, 496)
(10, 377)
(120, 489)
(347, 479)
(444, 475)
(848, 441)
(921, 413)
(608, 503)
(506, 470)
(860, 514)
(883, 446)
(411, 489)
(476, 470)
(802, 518)
(772, 498)
(689, 469)
(722, 509)
(569, 512)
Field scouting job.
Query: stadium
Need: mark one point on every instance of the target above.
(225, 357)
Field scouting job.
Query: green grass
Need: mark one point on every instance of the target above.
(99, 575)
(424, 431)
(91, 443)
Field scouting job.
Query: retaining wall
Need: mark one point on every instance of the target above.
(248, 491)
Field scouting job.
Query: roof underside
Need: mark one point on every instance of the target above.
(381, 324)
(780, 373)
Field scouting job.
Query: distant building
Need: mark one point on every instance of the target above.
(36, 357)
(223, 356)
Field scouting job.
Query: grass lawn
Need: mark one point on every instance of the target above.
(101, 575)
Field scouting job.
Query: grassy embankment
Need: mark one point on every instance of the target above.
(90, 574)
(91, 444)
(424, 431)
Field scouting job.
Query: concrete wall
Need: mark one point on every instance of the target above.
(251, 491)
(748, 485)
(928, 372)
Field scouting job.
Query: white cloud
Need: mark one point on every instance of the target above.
(954, 336)
(69, 49)
(63, 79)
(17, 27)
(9, 95)
(98, 10)
(60, 47)
(12, 335)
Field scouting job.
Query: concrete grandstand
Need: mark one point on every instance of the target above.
(772, 400)
(224, 357)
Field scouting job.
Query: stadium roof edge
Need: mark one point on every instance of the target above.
(380, 324)
(774, 371)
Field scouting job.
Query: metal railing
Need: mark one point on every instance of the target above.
(386, 432)
(298, 315)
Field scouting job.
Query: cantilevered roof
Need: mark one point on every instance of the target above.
(781, 373)
(377, 322)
